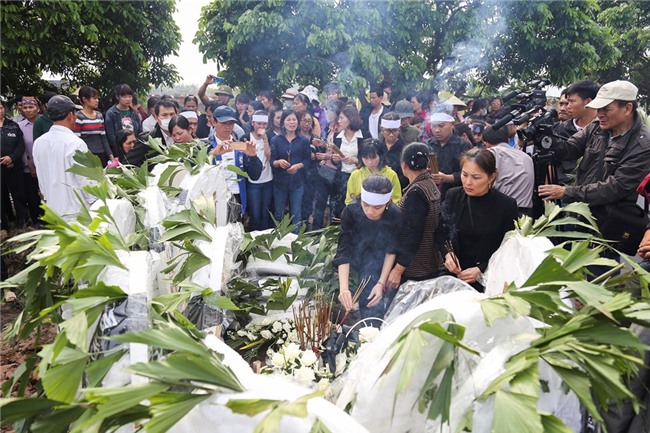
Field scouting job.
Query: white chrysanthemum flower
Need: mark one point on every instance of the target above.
(251, 336)
(241, 333)
(278, 360)
(304, 375)
(368, 334)
(293, 336)
(277, 327)
(291, 351)
(266, 334)
(308, 358)
(286, 327)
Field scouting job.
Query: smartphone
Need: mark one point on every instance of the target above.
(238, 145)
(218, 80)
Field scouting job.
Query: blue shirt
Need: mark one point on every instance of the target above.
(296, 152)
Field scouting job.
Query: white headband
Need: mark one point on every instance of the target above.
(189, 114)
(374, 199)
(260, 118)
(390, 124)
(441, 117)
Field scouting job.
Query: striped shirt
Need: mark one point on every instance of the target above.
(92, 132)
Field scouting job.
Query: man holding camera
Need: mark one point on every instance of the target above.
(615, 155)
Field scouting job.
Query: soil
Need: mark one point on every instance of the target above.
(13, 353)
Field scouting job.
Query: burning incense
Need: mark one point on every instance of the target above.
(312, 320)
(450, 250)
(357, 295)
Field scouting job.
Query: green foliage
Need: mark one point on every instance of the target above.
(628, 24)
(539, 33)
(446, 45)
(435, 393)
(277, 409)
(87, 42)
(586, 346)
(270, 44)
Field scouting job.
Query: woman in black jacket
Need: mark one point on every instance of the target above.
(11, 166)
(475, 218)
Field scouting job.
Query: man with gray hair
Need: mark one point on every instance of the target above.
(615, 155)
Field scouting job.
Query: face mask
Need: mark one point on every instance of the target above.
(164, 124)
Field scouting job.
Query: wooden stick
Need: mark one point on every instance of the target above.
(450, 250)
(336, 149)
(357, 295)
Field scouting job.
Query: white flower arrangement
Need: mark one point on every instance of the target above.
(306, 367)
(256, 339)
(279, 341)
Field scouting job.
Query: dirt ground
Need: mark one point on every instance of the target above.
(12, 353)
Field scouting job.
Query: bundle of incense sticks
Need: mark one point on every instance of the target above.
(450, 250)
(312, 320)
(336, 149)
(357, 295)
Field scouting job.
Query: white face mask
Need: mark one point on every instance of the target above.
(164, 124)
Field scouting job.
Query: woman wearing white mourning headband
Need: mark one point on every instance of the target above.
(368, 244)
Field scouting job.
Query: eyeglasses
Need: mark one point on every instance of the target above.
(391, 131)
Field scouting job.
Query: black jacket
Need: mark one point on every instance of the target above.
(475, 225)
(365, 112)
(610, 170)
(12, 143)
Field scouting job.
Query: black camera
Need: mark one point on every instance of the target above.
(530, 108)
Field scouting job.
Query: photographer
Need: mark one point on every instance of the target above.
(615, 158)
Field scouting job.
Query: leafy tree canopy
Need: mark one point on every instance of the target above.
(87, 42)
(423, 44)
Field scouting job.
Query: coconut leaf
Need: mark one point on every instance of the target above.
(169, 338)
(516, 413)
(112, 401)
(168, 408)
(16, 409)
(97, 370)
(220, 301)
(180, 368)
(319, 427)
(61, 381)
(552, 424)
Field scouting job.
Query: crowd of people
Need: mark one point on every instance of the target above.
(429, 186)
(421, 186)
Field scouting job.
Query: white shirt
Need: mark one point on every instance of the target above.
(267, 173)
(148, 124)
(349, 148)
(515, 174)
(228, 159)
(373, 124)
(53, 156)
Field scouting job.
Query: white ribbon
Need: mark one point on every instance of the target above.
(390, 124)
(260, 118)
(374, 199)
(189, 114)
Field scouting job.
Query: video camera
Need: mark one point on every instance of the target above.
(530, 108)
